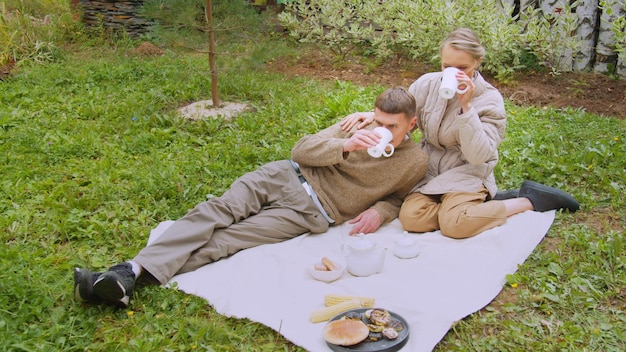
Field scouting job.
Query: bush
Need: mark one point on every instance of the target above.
(416, 30)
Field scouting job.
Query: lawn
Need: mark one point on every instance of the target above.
(94, 155)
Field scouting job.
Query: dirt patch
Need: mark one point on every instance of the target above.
(601, 220)
(7, 69)
(594, 93)
(205, 109)
(146, 49)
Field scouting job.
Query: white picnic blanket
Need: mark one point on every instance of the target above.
(449, 280)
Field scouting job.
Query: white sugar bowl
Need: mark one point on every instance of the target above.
(406, 246)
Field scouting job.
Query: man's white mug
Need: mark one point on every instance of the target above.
(449, 84)
(381, 148)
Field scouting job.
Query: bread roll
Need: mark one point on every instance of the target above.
(329, 264)
(345, 332)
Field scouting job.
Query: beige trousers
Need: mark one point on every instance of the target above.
(268, 205)
(457, 215)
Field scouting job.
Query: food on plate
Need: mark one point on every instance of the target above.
(374, 336)
(329, 312)
(379, 316)
(396, 325)
(390, 333)
(375, 328)
(379, 323)
(352, 315)
(331, 299)
(345, 332)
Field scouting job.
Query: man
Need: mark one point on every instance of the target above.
(330, 180)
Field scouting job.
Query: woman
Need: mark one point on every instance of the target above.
(461, 137)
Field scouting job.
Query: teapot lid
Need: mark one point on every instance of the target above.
(405, 240)
(361, 242)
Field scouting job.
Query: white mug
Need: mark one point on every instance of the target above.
(449, 84)
(384, 144)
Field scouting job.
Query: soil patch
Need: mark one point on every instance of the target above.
(203, 109)
(146, 49)
(7, 69)
(594, 93)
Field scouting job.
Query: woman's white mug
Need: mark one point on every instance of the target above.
(381, 148)
(449, 84)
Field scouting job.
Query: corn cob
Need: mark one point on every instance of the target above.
(329, 312)
(330, 300)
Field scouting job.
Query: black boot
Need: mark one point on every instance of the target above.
(546, 198)
(83, 285)
(507, 194)
(116, 285)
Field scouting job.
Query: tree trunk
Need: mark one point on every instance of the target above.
(606, 56)
(587, 12)
(209, 20)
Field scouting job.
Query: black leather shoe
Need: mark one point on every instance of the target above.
(506, 194)
(116, 285)
(83, 285)
(546, 198)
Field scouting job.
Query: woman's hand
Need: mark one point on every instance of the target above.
(465, 98)
(358, 119)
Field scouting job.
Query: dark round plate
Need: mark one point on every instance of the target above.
(382, 345)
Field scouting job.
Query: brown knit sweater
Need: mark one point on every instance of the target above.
(349, 183)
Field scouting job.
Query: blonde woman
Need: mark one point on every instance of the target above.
(461, 136)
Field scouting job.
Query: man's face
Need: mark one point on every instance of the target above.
(398, 124)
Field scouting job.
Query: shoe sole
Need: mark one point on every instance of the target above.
(109, 289)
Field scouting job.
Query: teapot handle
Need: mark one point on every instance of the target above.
(344, 249)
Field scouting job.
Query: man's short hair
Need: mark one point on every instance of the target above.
(395, 101)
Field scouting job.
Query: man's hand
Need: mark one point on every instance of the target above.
(361, 140)
(367, 222)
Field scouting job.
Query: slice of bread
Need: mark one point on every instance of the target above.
(345, 332)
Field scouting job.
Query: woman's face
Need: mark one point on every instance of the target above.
(451, 57)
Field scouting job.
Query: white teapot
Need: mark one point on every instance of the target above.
(363, 256)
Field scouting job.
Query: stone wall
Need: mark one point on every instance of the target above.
(115, 15)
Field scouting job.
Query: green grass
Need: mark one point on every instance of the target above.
(94, 155)
(570, 295)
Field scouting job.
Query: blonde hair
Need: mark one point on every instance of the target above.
(464, 39)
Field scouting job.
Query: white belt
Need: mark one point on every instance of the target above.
(309, 190)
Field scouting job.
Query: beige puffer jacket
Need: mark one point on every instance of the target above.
(462, 148)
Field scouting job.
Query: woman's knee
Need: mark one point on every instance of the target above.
(415, 219)
(457, 230)
(464, 227)
(469, 221)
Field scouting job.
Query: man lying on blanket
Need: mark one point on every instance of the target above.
(331, 179)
